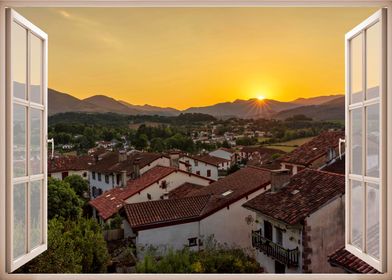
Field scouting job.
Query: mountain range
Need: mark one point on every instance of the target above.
(322, 107)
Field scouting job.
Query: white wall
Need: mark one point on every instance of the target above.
(173, 181)
(229, 225)
(202, 167)
(58, 175)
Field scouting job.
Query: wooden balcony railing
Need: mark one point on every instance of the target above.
(274, 250)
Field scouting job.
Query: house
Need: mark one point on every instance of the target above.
(205, 166)
(154, 184)
(349, 263)
(114, 169)
(315, 154)
(196, 214)
(300, 221)
(224, 153)
(258, 155)
(60, 167)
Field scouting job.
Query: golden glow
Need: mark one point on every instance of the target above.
(260, 97)
(182, 57)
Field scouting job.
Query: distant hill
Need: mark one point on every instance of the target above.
(251, 108)
(60, 102)
(316, 100)
(331, 110)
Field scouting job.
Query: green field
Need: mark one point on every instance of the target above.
(288, 146)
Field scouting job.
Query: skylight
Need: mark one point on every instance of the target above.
(227, 193)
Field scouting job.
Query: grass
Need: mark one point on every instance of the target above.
(263, 139)
(288, 146)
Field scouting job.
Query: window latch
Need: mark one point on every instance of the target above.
(341, 141)
(51, 141)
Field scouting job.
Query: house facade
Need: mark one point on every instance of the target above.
(61, 167)
(224, 153)
(299, 222)
(213, 212)
(202, 166)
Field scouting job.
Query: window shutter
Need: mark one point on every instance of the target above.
(26, 141)
(366, 140)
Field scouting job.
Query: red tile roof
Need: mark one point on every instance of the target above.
(220, 194)
(186, 189)
(155, 174)
(350, 263)
(211, 159)
(68, 163)
(261, 150)
(314, 149)
(306, 192)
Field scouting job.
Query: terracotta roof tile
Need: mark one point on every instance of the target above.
(67, 163)
(186, 189)
(306, 192)
(314, 149)
(344, 259)
(220, 194)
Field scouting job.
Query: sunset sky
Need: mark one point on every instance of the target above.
(183, 57)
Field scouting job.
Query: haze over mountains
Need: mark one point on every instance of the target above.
(321, 107)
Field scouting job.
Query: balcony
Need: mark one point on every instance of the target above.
(275, 251)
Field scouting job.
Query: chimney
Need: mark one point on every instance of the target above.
(174, 159)
(122, 156)
(123, 178)
(136, 168)
(279, 179)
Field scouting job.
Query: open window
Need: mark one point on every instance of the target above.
(26, 141)
(366, 140)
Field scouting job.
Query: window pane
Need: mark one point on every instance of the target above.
(356, 213)
(373, 61)
(356, 141)
(19, 135)
(35, 141)
(35, 213)
(19, 228)
(373, 220)
(356, 65)
(19, 60)
(373, 140)
(35, 69)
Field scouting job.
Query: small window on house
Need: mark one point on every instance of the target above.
(84, 174)
(192, 241)
(279, 236)
(64, 175)
(107, 179)
(197, 172)
(100, 191)
(149, 196)
(99, 177)
(208, 173)
(164, 184)
(93, 175)
(196, 163)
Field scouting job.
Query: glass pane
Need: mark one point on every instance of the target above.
(373, 221)
(373, 140)
(373, 61)
(35, 213)
(19, 135)
(19, 60)
(356, 141)
(356, 66)
(356, 213)
(35, 69)
(35, 141)
(19, 228)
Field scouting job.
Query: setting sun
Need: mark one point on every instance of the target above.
(260, 97)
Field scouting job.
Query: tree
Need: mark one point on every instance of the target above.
(73, 247)
(78, 184)
(63, 201)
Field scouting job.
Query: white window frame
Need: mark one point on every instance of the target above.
(12, 263)
(185, 3)
(378, 17)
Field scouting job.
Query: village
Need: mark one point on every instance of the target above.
(285, 210)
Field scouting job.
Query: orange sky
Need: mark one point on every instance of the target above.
(182, 57)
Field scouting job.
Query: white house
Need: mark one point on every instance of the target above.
(224, 153)
(61, 167)
(203, 166)
(299, 221)
(114, 169)
(214, 212)
(155, 184)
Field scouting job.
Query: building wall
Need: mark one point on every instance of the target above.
(326, 232)
(173, 181)
(58, 175)
(291, 239)
(229, 225)
(202, 168)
